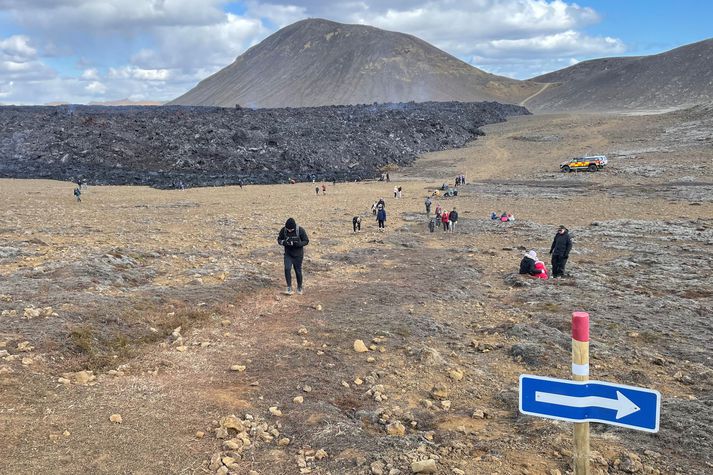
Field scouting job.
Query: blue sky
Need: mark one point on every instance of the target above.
(154, 50)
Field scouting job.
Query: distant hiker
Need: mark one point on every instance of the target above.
(356, 223)
(373, 208)
(381, 203)
(316, 190)
(458, 180)
(438, 215)
(294, 239)
(381, 218)
(452, 219)
(428, 203)
(494, 216)
(444, 220)
(388, 179)
(561, 245)
(396, 191)
(240, 184)
(78, 194)
(432, 224)
(292, 181)
(527, 264)
(324, 189)
(399, 192)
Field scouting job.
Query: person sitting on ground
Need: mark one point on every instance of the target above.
(494, 216)
(511, 217)
(540, 266)
(356, 223)
(504, 217)
(527, 264)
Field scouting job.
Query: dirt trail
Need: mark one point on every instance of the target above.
(544, 88)
(128, 265)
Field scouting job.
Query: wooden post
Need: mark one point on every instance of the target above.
(580, 372)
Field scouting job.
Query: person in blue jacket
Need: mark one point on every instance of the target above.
(381, 217)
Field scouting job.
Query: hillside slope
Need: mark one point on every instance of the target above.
(318, 62)
(673, 79)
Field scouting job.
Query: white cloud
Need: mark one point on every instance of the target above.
(17, 48)
(133, 72)
(157, 49)
(90, 74)
(569, 43)
(95, 87)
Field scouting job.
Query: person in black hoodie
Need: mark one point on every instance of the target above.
(294, 239)
(527, 264)
(561, 245)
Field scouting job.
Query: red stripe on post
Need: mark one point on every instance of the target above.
(580, 326)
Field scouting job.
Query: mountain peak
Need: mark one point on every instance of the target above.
(316, 62)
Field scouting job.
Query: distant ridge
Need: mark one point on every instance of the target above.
(318, 62)
(674, 79)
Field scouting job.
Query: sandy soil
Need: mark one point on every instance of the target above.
(127, 266)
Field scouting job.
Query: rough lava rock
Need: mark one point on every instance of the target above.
(211, 146)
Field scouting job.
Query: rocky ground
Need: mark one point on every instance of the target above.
(143, 331)
(207, 146)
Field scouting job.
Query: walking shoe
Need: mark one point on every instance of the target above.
(288, 291)
(299, 290)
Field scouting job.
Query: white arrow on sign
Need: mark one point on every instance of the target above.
(622, 404)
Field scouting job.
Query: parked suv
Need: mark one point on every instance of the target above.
(592, 164)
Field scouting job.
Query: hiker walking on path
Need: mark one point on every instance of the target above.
(396, 191)
(381, 217)
(356, 223)
(78, 194)
(561, 245)
(452, 219)
(294, 239)
(444, 220)
(324, 189)
(428, 203)
(438, 215)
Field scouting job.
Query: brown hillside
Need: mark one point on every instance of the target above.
(317, 62)
(677, 78)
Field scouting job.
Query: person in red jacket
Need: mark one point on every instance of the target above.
(444, 219)
(539, 265)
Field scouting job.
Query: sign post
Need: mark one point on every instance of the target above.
(580, 372)
(582, 400)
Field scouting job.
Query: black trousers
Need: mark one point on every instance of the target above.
(295, 262)
(558, 263)
(356, 225)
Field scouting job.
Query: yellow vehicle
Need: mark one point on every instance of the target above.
(591, 164)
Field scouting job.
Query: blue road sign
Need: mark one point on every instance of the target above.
(595, 401)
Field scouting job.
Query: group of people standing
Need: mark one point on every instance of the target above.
(294, 238)
(460, 180)
(559, 250)
(443, 218)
